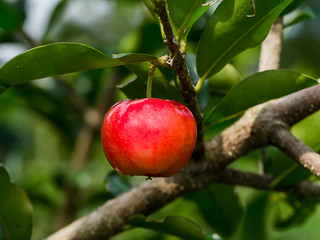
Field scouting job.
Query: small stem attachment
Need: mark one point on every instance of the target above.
(150, 78)
(178, 63)
(199, 84)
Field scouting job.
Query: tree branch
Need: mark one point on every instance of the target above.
(252, 131)
(177, 61)
(263, 182)
(271, 47)
(294, 148)
(264, 124)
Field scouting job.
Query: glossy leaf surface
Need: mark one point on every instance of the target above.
(299, 17)
(60, 58)
(15, 209)
(185, 13)
(256, 89)
(230, 31)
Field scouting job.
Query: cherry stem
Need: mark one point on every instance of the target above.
(150, 79)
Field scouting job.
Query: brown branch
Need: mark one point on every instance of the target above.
(260, 126)
(177, 61)
(271, 47)
(263, 182)
(252, 131)
(302, 104)
(294, 148)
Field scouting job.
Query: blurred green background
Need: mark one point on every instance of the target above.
(43, 123)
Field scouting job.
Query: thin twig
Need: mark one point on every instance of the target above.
(177, 61)
(263, 182)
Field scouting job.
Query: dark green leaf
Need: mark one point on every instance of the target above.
(10, 18)
(2, 89)
(60, 58)
(230, 32)
(292, 6)
(298, 17)
(254, 223)
(150, 5)
(161, 87)
(308, 131)
(221, 208)
(117, 184)
(224, 80)
(15, 209)
(175, 225)
(185, 13)
(256, 89)
(302, 209)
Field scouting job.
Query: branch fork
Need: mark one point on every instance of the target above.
(260, 126)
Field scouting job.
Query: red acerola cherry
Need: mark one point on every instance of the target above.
(149, 137)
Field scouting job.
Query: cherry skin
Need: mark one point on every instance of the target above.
(149, 137)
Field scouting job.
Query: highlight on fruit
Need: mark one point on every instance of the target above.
(149, 137)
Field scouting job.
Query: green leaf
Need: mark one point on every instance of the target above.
(60, 58)
(175, 225)
(256, 89)
(302, 209)
(224, 80)
(230, 31)
(292, 6)
(308, 131)
(254, 223)
(151, 7)
(10, 18)
(185, 13)
(15, 209)
(161, 87)
(221, 208)
(2, 89)
(299, 16)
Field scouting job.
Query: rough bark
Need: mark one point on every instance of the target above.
(265, 124)
(254, 130)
